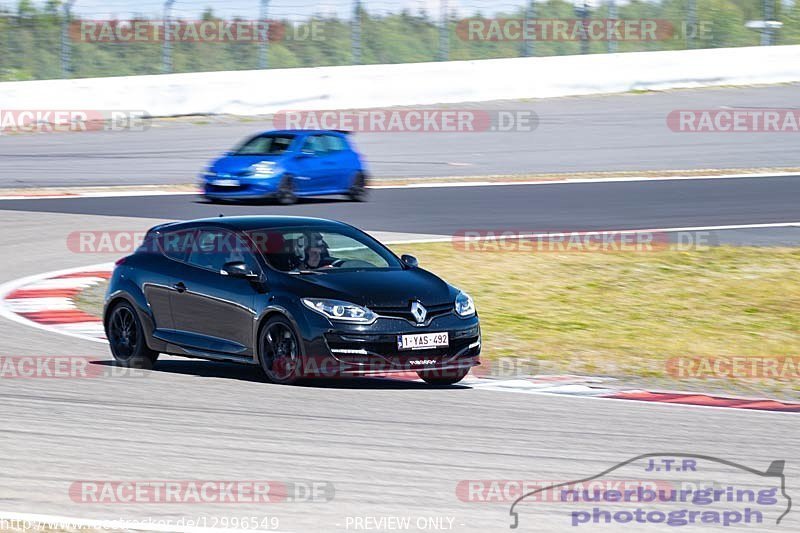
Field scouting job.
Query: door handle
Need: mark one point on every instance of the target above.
(180, 287)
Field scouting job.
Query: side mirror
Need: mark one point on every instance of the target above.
(239, 270)
(410, 261)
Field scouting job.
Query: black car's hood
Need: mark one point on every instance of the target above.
(380, 288)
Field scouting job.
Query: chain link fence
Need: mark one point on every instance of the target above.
(89, 38)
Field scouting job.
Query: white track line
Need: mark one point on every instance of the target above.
(571, 181)
(427, 185)
(105, 194)
(63, 522)
(499, 236)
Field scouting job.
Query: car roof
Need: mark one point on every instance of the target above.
(303, 132)
(250, 223)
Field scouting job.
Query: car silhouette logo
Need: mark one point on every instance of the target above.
(419, 312)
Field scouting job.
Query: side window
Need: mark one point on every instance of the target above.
(315, 144)
(335, 143)
(177, 244)
(215, 247)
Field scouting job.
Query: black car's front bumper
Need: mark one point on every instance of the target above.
(346, 349)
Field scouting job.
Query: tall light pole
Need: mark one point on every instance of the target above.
(612, 14)
(355, 33)
(444, 32)
(263, 60)
(66, 45)
(530, 16)
(582, 11)
(769, 14)
(166, 58)
(691, 23)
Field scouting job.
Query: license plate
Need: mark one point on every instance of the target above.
(422, 341)
(225, 183)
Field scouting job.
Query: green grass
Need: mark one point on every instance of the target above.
(626, 314)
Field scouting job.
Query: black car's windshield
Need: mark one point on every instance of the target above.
(315, 250)
(270, 144)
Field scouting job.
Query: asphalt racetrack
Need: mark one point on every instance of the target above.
(448, 211)
(626, 132)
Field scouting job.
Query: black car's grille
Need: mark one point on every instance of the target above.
(434, 311)
(381, 349)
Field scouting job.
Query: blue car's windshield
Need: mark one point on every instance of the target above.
(270, 144)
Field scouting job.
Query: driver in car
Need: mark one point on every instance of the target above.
(316, 255)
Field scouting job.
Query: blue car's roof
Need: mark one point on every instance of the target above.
(302, 132)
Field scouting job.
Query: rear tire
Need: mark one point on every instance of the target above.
(127, 340)
(443, 377)
(279, 351)
(358, 192)
(286, 194)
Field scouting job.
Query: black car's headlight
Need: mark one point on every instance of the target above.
(465, 307)
(339, 310)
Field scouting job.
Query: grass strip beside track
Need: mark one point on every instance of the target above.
(627, 314)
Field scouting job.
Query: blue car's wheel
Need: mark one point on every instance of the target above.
(358, 191)
(286, 194)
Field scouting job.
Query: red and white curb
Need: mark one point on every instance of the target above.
(46, 301)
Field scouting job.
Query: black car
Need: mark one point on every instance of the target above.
(301, 297)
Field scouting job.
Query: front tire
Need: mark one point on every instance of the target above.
(126, 338)
(443, 377)
(286, 194)
(279, 351)
(358, 191)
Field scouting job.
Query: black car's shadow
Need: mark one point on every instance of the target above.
(215, 369)
(315, 200)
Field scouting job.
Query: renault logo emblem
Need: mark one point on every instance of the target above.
(419, 312)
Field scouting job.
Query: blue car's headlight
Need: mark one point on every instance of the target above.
(465, 307)
(342, 311)
(264, 169)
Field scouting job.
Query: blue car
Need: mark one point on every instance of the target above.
(288, 164)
